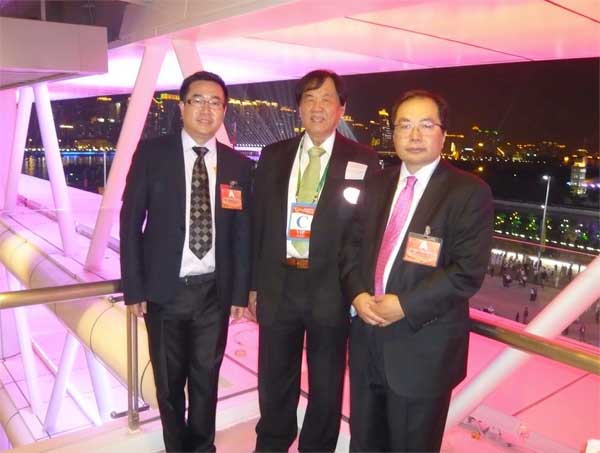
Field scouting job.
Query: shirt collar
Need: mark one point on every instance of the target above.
(423, 175)
(327, 145)
(188, 143)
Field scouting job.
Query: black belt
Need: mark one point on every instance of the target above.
(193, 280)
(298, 263)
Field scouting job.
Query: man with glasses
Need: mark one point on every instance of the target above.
(188, 269)
(305, 194)
(417, 250)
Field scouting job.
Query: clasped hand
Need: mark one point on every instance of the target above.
(378, 310)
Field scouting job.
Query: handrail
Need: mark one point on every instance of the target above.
(528, 342)
(66, 293)
(480, 324)
(513, 337)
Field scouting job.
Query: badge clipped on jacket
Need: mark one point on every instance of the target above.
(301, 217)
(231, 196)
(423, 249)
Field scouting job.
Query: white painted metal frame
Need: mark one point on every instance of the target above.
(61, 384)
(565, 308)
(133, 124)
(190, 62)
(29, 366)
(56, 173)
(100, 383)
(8, 115)
(19, 139)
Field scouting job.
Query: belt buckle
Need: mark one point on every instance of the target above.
(301, 263)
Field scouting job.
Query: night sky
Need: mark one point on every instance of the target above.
(526, 102)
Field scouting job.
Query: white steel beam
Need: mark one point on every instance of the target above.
(133, 124)
(19, 141)
(29, 366)
(189, 62)
(565, 308)
(8, 116)
(102, 391)
(67, 359)
(56, 173)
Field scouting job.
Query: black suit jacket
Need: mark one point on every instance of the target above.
(331, 218)
(155, 193)
(426, 352)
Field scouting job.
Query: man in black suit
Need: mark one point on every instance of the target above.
(317, 174)
(187, 269)
(416, 251)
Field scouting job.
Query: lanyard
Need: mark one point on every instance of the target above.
(321, 181)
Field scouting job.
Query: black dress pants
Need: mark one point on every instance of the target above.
(187, 340)
(380, 419)
(279, 370)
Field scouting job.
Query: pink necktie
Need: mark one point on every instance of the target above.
(392, 231)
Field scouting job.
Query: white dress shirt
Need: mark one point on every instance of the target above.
(301, 161)
(190, 264)
(423, 176)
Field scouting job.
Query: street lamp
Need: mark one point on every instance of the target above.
(543, 227)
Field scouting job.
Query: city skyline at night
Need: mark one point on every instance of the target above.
(560, 106)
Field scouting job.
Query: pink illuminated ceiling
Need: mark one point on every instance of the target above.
(286, 39)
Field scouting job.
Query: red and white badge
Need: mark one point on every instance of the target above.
(423, 249)
(231, 197)
(301, 217)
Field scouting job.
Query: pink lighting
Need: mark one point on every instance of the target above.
(286, 41)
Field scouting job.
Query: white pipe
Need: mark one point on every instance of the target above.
(18, 142)
(102, 391)
(133, 124)
(12, 421)
(565, 308)
(189, 62)
(8, 118)
(98, 324)
(56, 173)
(67, 359)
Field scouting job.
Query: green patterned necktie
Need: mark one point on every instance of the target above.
(307, 191)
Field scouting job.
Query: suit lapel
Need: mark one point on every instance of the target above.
(286, 162)
(221, 158)
(178, 173)
(389, 183)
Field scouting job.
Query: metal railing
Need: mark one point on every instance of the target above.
(528, 342)
(70, 293)
(513, 337)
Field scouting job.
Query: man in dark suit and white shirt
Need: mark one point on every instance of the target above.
(188, 269)
(416, 251)
(316, 175)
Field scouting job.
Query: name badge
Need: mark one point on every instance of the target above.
(231, 196)
(301, 217)
(423, 249)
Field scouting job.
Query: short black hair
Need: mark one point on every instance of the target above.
(201, 75)
(441, 103)
(315, 79)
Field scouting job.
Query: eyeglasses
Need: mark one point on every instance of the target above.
(426, 128)
(202, 101)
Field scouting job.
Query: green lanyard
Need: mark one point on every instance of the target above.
(321, 181)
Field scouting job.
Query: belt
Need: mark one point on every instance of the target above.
(298, 263)
(192, 280)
